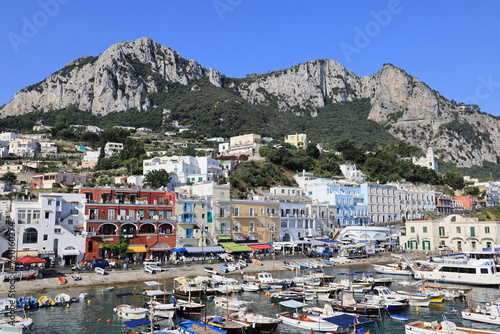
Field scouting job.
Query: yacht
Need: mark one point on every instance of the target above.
(475, 267)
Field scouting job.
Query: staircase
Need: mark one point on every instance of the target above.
(205, 232)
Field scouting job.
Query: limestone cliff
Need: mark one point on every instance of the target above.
(127, 73)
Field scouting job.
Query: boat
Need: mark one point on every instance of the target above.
(229, 325)
(367, 277)
(400, 268)
(233, 305)
(381, 295)
(17, 324)
(210, 270)
(304, 320)
(259, 322)
(152, 269)
(463, 268)
(162, 310)
(131, 312)
(6, 304)
(490, 314)
(46, 301)
(62, 279)
(100, 271)
(62, 299)
(109, 288)
(426, 327)
(250, 287)
(349, 305)
(83, 296)
(450, 292)
(76, 277)
(195, 327)
(398, 317)
(188, 307)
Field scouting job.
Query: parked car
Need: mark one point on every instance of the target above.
(151, 262)
(100, 263)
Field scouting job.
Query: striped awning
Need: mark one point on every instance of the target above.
(160, 246)
(26, 252)
(136, 249)
(205, 249)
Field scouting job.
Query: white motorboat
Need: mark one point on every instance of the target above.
(62, 299)
(305, 321)
(19, 324)
(463, 268)
(490, 314)
(152, 269)
(232, 305)
(162, 310)
(425, 327)
(399, 268)
(100, 271)
(131, 312)
(250, 287)
(259, 322)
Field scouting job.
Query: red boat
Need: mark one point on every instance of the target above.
(62, 279)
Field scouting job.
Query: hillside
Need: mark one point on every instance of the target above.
(321, 98)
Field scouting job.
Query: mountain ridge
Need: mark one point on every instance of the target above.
(129, 75)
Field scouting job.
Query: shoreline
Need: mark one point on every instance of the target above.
(117, 277)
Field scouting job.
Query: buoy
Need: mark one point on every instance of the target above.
(273, 305)
(67, 305)
(417, 309)
(88, 301)
(98, 320)
(109, 320)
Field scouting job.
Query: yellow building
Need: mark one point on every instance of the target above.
(255, 219)
(297, 140)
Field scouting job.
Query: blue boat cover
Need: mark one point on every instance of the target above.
(347, 321)
(136, 322)
(177, 250)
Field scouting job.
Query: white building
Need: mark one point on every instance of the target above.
(51, 227)
(248, 144)
(111, 149)
(187, 168)
(429, 161)
(415, 201)
(382, 201)
(23, 147)
(352, 173)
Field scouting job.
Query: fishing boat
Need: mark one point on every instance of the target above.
(250, 287)
(490, 314)
(229, 325)
(162, 310)
(259, 322)
(232, 305)
(349, 305)
(450, 292)
(366, 277)
(426, 327)
(62, 299)
(303, 320)
(131, 312)
(100, 271)
(18, 324)
(46, 301)
(188, 307)
(464, 268)
(195, 327)
(401, 269)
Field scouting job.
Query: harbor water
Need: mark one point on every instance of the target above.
(97, 316)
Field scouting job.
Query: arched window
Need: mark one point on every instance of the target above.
(30, 236)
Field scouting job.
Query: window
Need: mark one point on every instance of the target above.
(441, 230)
(57, 230)
(252, 226)
(49, 202)
(251, 212)
(236, 226)
(30, 236)
(236, 212)
(47, 214)
(459, 229)
(412, 229)
(111, 214)
(221, 212)
(70, 221)
(169, 214)
(45, 237)
(472, 231)
(486, 229)
(424, 229)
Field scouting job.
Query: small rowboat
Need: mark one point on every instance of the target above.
(62, 280)
(256, 262)
(30, 276)
(100, 271)
(398, 317)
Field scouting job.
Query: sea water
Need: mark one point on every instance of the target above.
(97, 316)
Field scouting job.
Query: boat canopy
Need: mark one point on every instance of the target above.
(292, 303)
(347, 321)
(136, 322)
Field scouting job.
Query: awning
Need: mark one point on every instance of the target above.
(178, 250)
(28, 252)
(347, 321)
(224, 237)
(160, 246)
(327, 241)
(207, 249)
(137, 249)
(228, 244)
(70, 252)
(260, 246)
(292, 303)
(238, 249)
(46, 252)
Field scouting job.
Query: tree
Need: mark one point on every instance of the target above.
(454, 179)
(9, 178)
(157, 178)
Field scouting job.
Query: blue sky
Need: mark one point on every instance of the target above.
(451, 45)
